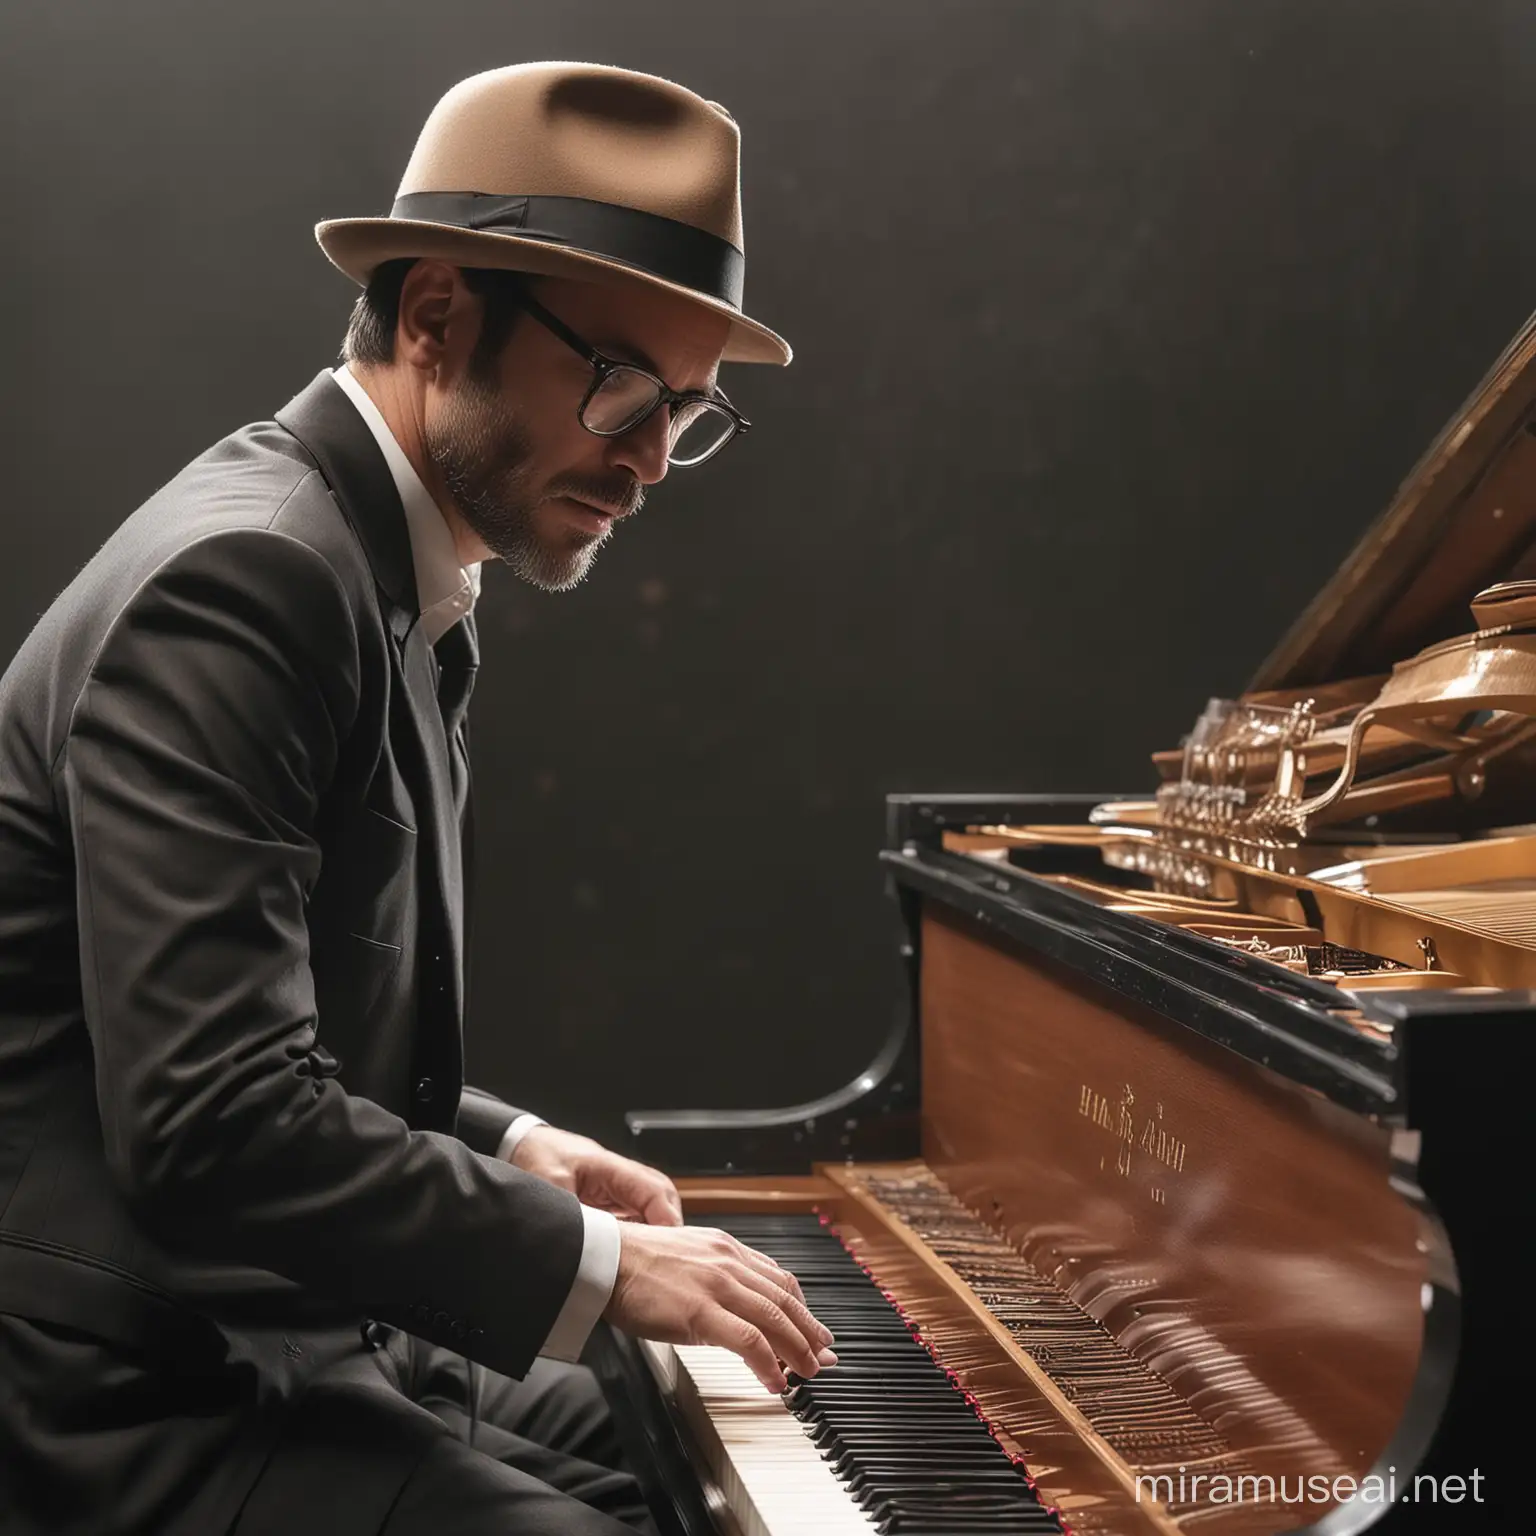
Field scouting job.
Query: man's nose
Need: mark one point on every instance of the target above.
(643, 451)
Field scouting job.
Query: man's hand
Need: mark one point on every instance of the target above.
(598, 1177)
(696, 1285)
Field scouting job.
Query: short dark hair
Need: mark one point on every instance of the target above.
(370, 337)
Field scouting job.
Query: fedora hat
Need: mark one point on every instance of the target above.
(579, 171)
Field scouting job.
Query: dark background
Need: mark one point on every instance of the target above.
(1116, 322)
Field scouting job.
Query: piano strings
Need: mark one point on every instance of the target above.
(1140, 1416)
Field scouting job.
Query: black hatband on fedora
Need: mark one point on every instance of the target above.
(666, 248)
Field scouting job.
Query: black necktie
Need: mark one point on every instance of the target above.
(458, 659)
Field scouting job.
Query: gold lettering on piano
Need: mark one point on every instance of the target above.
(1096, 1107)
(1149, 1135)
(1167, 1149)
(1125, 1130)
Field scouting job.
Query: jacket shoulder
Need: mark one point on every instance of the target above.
(253, 517)
(257, 481)
(262, 479)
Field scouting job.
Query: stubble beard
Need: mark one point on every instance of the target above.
(483, 457)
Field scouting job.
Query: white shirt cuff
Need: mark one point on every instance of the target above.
(595, 1275)
(515, 1133)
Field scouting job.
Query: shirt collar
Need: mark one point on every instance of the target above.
(445, 589)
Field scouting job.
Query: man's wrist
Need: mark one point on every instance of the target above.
(592, 1289)
(515, 1133)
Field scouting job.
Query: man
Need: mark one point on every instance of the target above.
(264, 1264)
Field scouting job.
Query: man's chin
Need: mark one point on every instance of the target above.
(554, 566)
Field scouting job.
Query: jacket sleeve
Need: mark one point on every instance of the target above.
(483, 1120)
(204, 735)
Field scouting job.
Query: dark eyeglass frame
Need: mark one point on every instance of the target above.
(603, 367)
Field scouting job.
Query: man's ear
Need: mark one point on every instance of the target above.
(438, 317)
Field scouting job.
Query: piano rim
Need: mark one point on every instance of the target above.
(1267, 1014)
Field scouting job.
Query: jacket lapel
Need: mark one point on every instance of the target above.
(328, 425)
(338, 440)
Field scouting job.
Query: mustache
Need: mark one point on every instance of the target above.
(623, 493)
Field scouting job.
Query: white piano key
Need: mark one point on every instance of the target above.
(772, 1478)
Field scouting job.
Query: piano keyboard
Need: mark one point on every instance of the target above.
(882, 1443)
(765, 1472)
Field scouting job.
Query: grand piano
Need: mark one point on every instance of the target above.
(1186, 1197)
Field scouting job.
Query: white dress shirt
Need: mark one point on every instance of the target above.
(447, 591)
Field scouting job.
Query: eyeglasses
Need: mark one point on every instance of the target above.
(622, 396)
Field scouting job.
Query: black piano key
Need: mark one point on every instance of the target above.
(884, 1479)
(937, 1396)
(947, 1430)
(835, 1421)
(848, 1461)
(900, 1418)
(955, 1507)
(1022, 1524)
(845, 1433)
(874, 1442)
(975, 1495)
(899, 1434)
(834, 1379)
(907, 1375)
(834, 1387)
(855, 1413)
(952, 1521)
(939, 1463)
(969, 1483)
(867, 1438)
(887, 1443)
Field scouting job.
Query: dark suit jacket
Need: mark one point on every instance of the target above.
(231, 933)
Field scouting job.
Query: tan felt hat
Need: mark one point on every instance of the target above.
(573, 170)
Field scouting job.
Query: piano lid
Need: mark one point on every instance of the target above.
(1463, 520)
